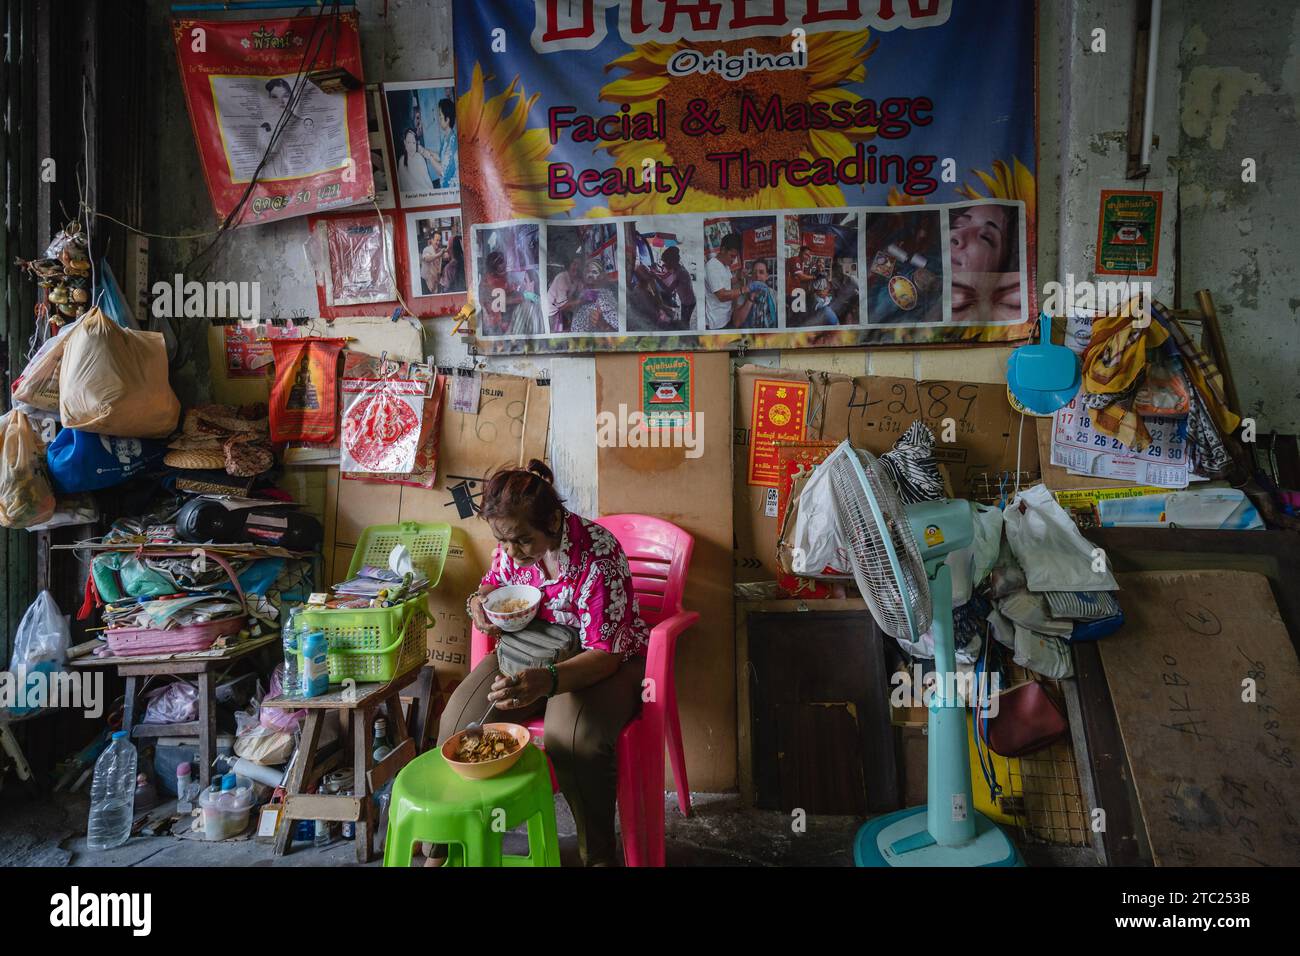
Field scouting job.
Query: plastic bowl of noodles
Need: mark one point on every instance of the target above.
(486, 752)
(511, 608)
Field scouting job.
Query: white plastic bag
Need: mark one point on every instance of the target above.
(177, 703)
(42, 635)
(1054, 555)
(817, 549)
(26, 497)
(38, 386)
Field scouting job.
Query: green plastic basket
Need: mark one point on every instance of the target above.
(428, 544)
(371, 644)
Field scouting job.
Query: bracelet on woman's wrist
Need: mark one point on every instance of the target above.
(555, 679)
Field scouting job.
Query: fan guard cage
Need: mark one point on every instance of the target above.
(900, 602)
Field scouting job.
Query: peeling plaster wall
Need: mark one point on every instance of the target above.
(1093, 150)
(1239, 69)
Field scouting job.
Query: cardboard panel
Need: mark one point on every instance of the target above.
(1206, 688)
(873, 411)
(985, 426)
(361, 504)
(827, 417)
(696, 494)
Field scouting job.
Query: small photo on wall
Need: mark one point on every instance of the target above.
(664, 265)
(435, 253)
(984, 249)
(740, 273)
(379, 168)
(582, 278)
(358, 267)
(904, 267)
(509, 293)
(821, 270)
(422, 121)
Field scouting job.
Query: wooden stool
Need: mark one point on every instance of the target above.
(359, 702)
(205, 668)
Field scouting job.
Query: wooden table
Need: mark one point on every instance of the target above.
(360, 702)
(204, 666)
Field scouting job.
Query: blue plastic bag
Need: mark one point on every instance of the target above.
(82, 461)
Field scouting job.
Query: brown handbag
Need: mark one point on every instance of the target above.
(1028, 720)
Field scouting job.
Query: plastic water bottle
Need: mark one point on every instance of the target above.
(315, 677)
(112, 795)
(289, 634)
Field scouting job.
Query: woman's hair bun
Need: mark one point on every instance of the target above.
(538, 468)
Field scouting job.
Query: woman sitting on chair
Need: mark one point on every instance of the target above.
(588, 622)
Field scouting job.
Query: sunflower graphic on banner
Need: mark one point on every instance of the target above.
(662, 174)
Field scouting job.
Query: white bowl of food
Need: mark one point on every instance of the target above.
(511, 608)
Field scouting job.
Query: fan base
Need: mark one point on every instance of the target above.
(900, 839)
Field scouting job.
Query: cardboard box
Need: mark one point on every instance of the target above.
(873, 412)
(825, 416)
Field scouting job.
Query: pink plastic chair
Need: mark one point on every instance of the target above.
(658, 554)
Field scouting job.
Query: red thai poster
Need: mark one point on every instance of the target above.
(248, 347)
(779, 415)
(304, 392)
(262, 127)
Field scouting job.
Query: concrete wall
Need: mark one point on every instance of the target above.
(1239, 72)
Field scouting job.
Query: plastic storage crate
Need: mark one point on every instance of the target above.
(371, 644)
(379, 643)
(428, 544)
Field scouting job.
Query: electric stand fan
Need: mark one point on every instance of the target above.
(898, 562)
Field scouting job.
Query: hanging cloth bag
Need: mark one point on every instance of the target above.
(113, 381)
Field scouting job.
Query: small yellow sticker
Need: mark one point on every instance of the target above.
(933, 535)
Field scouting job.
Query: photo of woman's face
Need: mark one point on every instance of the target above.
(979, 237)
(986, 298)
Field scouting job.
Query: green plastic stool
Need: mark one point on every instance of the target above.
(432, 804)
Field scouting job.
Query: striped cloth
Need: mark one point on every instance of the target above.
(910, 465)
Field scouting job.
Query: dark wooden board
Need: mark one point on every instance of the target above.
(819, 713)
(1217, 772)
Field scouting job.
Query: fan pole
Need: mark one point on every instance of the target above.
(950, 814)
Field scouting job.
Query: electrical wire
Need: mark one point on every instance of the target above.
(148, 235)
(311, 49)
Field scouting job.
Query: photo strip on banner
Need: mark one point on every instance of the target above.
(582, 278)
(662, 268)
(423, 130)
(697, 281)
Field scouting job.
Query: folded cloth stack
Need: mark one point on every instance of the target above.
(223, 438)
(1047, 582)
